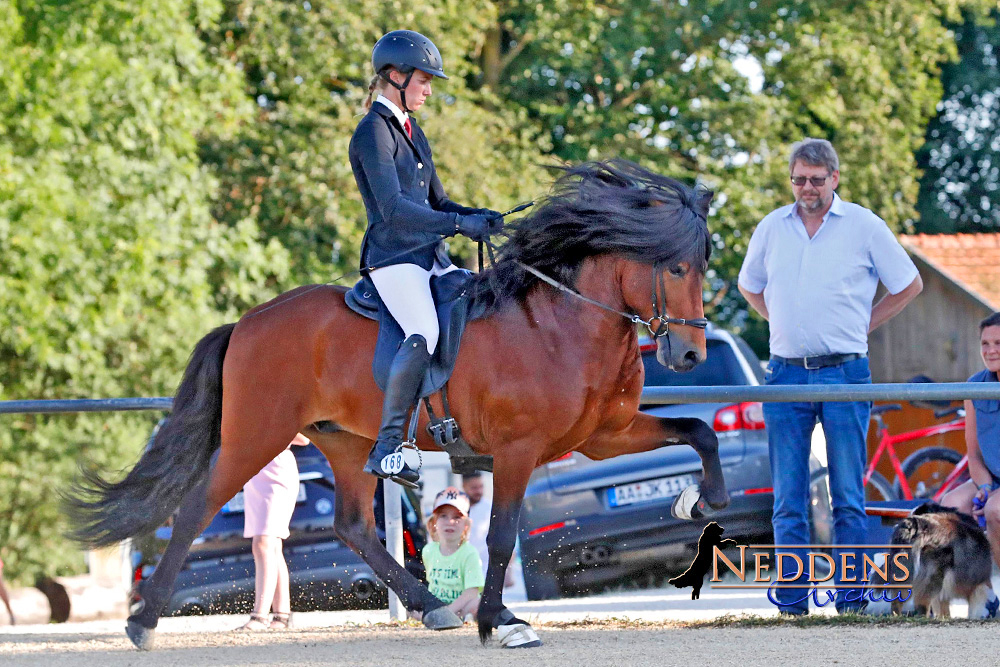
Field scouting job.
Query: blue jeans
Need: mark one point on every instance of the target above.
(789, 432)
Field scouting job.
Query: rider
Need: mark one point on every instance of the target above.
(408, 213)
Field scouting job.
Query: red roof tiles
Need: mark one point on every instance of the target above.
(971, 260)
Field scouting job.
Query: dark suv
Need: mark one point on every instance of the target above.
(589, 523)
(218, 576)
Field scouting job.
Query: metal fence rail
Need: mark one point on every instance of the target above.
(84, 405)
(950, 391)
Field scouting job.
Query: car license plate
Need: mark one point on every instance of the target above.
(237, 503)
(653, 489)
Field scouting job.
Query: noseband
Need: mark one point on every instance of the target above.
(659, 304)
(660, 310)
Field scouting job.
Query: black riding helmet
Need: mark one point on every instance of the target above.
(406, 51)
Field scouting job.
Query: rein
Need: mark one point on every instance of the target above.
(659, 304)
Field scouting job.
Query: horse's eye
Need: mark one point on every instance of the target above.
(678, 271)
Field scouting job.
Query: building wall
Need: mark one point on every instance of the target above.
(936, 335)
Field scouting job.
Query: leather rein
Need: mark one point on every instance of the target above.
(659, 299)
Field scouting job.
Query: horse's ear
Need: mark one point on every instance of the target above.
(703, 200)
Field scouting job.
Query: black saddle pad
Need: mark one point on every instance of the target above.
(454, 309)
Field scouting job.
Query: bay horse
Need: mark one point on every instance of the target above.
(543, 374)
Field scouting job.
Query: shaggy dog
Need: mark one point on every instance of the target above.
(694, 576)
(949, 558)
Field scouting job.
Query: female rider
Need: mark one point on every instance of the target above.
(408, 213)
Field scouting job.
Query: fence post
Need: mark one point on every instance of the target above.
(392, 501)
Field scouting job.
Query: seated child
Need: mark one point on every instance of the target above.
(454, 571)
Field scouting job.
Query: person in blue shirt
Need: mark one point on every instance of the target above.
(982, 442)
(979, 495)
(811, 270)
(408, 215)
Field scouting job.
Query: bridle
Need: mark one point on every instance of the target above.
(659, 302)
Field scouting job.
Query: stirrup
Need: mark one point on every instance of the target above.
(393, 466)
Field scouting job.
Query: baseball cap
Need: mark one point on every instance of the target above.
(454, 497)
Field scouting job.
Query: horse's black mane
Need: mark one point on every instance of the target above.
(598, 208)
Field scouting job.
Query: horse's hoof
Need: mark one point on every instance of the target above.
(518, 635)
(442, 618)
(140, 635)
(690, 505)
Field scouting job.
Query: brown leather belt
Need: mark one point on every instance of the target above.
(819, 361)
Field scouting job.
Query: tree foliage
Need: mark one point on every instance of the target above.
(112, 263)
(960, 187)
(717, 90)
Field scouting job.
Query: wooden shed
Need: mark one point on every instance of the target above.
(937, 334)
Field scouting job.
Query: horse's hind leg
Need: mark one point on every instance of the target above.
(354, 520)
(646, 433)
(233, 467)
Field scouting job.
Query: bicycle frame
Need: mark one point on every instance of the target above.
(946, 485)
(888, 442)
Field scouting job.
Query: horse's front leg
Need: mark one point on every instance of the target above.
(646, 432)
(510, 478)
(354, 520)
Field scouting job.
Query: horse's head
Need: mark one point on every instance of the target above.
(656, 226)
(669, 297)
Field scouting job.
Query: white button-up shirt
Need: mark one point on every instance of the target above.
(396, 111)
(819, 291)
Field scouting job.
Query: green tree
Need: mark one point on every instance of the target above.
(717, 90)
(960, 187)
(112, 266)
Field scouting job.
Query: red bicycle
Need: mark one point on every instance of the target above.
(933, 470)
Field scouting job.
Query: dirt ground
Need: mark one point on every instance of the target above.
(599, 643)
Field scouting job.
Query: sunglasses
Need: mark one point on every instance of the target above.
(816, 181)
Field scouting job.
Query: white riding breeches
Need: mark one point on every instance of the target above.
(405, 289)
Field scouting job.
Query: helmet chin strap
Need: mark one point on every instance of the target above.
(400, 87)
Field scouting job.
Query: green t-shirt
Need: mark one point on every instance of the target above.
(449, 576)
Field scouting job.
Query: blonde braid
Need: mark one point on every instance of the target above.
(371, 91)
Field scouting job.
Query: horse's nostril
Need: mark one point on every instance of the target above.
(692, 357)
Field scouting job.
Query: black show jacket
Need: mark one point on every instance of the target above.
(405, 201)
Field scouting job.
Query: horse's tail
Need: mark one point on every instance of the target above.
(104, 513)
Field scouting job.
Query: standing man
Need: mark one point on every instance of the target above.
(811, 270)
(479, 511)
(481, 507)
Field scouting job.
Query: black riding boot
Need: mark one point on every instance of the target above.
(405, 376)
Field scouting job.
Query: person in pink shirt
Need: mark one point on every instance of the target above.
(269, 500)
(5, 596)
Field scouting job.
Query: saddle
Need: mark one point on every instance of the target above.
(455, 308)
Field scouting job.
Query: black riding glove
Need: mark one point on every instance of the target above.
(489, 213)
(476, 226)
(495, 218)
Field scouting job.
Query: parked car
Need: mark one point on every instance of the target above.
(588, 523)
(324, 573)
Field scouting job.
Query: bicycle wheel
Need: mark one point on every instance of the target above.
(926, 469)
(879, 489)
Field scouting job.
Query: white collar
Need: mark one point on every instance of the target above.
(836, 208)
(396, 111)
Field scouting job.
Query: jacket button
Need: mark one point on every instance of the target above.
(426, 202)
(420, 165)
(421, 182)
